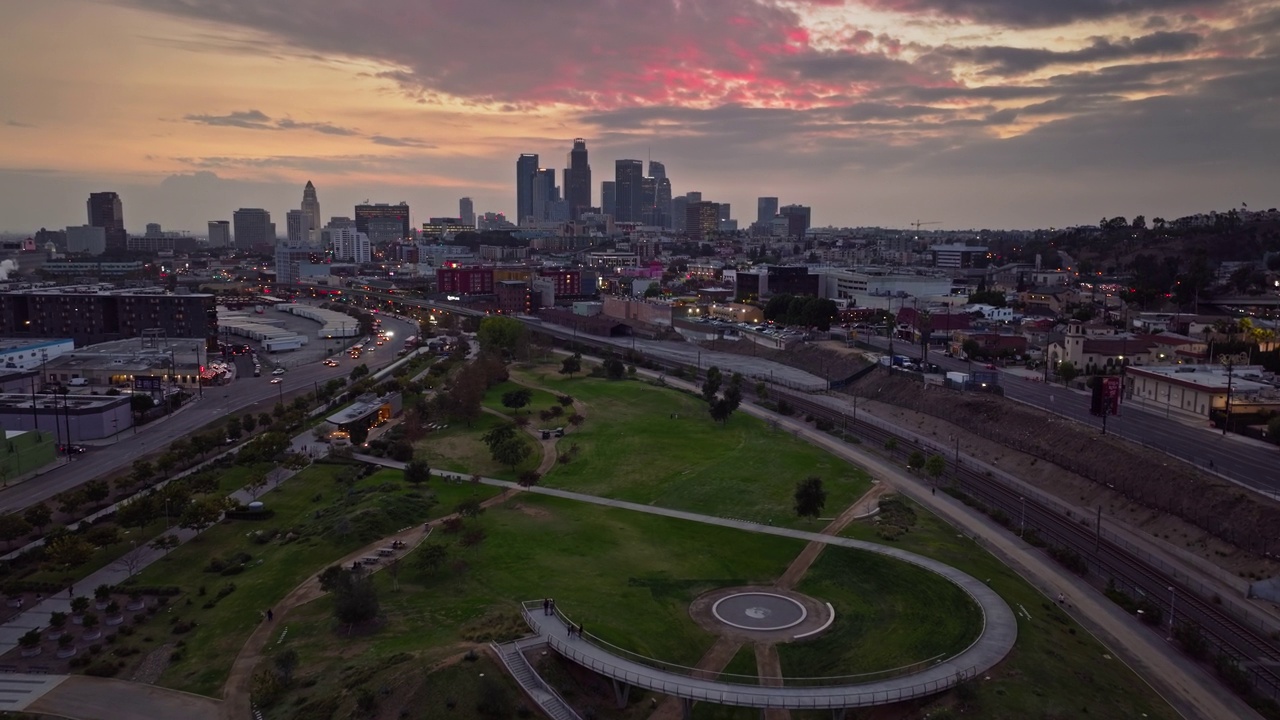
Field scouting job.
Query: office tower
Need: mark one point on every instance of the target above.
(766, 209)
(629, 176)
(467, 212)
(219, 233)
(649, 201)
(797, 219)
(609, 198)
(295, 222)
(311, 213)
(341, 222)
(724, 212)
(577, 179)
(545, 193)
(349, 244)
(253, 229)
(526, 172)
(679, 211)
(107, 212)
(154, 230)
(289, 261)
(662, 194)
(399, 213)
(702, 219)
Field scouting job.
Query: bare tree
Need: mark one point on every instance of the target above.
(131, 561)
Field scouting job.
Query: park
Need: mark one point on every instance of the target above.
(414, 636)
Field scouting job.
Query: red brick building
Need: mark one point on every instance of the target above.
(465, 281)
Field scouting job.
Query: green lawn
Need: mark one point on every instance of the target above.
(1056, 669)
(328, 521)
(540, 400)
(888, 615)
(632, 448)
(458, 448)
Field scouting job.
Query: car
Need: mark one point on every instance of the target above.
(991, 366)
(278, 371)
(276, 380)
(71, 449)
(331, 362)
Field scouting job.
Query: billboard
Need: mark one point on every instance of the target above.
(1106, 396)
(148, 383)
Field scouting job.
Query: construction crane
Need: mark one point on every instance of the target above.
(917, 224)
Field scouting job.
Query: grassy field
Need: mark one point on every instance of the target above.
(327, 521)
(540, 400)
(1056, 670)
(658, 446)
(458, 448)
(888, 615)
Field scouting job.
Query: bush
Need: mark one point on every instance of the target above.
(102, 668)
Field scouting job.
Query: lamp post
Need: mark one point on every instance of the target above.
(1022, 529)
(1173, 597)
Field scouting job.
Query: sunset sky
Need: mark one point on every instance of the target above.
(973, 113)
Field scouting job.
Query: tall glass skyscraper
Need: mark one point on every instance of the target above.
(629, 176)
(577, 179)
(526, 170)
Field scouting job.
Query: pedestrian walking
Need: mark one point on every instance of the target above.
(579, 631)
(553, 606)
(71, 591)
(270, 615)
(546, 606)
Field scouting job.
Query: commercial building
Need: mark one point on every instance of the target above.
(441, 227)
(862, 287)
(467, 212)
(89, 314)
(219, 233)
(514, 297)
(398, 213)
(93, 268)
(311, 214)
(86, 239)
(295, 227)
(107, 212)
(526, 172)
(702, 220)
(628, 189)
(78, 417)
(798, 219)
(367, 412)
(577, 179)
(1201, 389)
(28, 354)
(349, 244)
(609, 198)
(290, 262)
(465, 281)
(955, 257)
(253, 230)
(766, 209)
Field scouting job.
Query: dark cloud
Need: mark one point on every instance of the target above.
(1032, 13)
(15, 123)
(1003, 60)
(249, 119)
(399, 142)
(320, 127)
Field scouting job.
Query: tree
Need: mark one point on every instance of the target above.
(810, 497)
(38, 515)
(711, 384)
(355, 599)
(202, 513)
(248, 422)
(511, 452)
(571, 365)
(971, 349)
(1067, 371)
(68, 551)
(916, 460)
(417, 472)
(720, 409)
(432, 557)
(256, 484)
(528, 478)
(165, 543)
(285, 663)
(137, 512)
(103, 535)
(614, 369)
(12, 527)
(142, 472)
(95, 491)
(935, 466)
(498, 435)
(234, 429)
(165, 463)
(516, 399)
(131, 561)
(503, 335)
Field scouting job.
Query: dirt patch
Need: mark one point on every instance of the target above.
(531, 511)
(806, 558)
(1139, 488)
(153, 665)
(816, 359)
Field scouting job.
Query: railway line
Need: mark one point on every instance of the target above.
(1253, 649)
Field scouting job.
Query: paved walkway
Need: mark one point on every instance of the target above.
(999, 631)
(89, 698)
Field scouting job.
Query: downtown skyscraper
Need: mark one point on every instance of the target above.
(107, 212)
(310, 214)
(662, 195)
(577, 179)
(628, 190)
(526, 172)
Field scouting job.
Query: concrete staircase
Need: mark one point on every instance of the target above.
(512, 656)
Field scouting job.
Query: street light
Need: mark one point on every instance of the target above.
(1173, 597)
(1022, 531)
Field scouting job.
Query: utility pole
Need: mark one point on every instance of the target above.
(1230, 361)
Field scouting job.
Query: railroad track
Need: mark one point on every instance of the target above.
(1255, 651)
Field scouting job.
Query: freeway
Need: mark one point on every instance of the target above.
(245, 393)
(1240, 459)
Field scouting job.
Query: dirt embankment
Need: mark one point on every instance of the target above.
(1141, 488)
(814, 359)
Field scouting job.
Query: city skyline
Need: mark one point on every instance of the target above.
(977, 113)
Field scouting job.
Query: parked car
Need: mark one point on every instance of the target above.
(276, 380)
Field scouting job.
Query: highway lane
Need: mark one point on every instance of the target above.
(1194, 441)
(217, 403)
